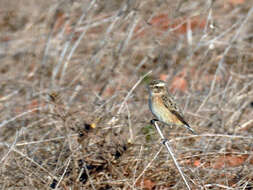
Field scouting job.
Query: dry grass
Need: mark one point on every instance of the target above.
(73, 104)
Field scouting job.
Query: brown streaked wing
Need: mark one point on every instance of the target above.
(173, 107)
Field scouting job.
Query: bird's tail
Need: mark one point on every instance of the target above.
(190, 129)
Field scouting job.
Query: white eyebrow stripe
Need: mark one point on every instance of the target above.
(159, 84)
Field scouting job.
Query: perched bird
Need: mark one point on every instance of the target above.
(163, 107)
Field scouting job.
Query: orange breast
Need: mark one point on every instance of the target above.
(162, 113)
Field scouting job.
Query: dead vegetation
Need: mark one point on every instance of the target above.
(73, 99)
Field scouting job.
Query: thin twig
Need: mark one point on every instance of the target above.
(5, 122)
(166, 143)
(10, 147)
(136, 166)
(33, 161)
(149, 164)
(65, 170)
(131, 138)
(89, 178)
(131, 91)
(74, 47)
(220, 64)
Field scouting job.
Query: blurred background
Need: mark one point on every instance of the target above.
(73, 97)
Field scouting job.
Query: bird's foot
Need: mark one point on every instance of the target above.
(153, 121)
(164, 141)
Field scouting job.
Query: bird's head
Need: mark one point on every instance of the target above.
(157, 87)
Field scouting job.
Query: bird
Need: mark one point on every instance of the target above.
(163, 106)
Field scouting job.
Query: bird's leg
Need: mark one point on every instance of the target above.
(153, 122)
